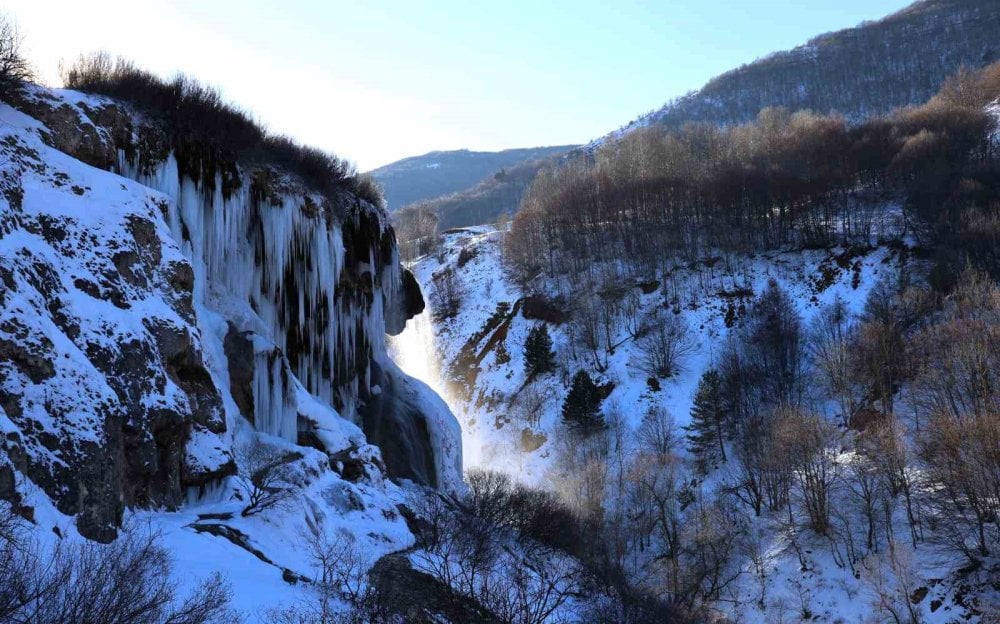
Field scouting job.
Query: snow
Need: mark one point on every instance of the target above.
(493, 418)
(239, 279)
(492, 436)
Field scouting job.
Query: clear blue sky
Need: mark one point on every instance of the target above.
(375, 81)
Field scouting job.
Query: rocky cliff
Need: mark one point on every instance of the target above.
(154, 302)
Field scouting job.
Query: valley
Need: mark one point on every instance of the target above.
(735, 362)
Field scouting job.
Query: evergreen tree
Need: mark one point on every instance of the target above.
(581, 409)
(708, 415)
(538, 355)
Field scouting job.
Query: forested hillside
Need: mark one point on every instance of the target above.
(497, 196)
(757, 363)
(858, 72)
(783, 180)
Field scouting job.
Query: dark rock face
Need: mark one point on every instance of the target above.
(102, 377)
(240, 355)
(396, 423)
(409, 303)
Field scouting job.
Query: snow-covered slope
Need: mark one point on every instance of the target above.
(702, 293)
(153, 327)
(514, 425)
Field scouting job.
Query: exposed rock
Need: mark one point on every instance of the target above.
(397, 425)
(420, 598)
(531, 441)
(408, 303)
(240, 355)
(101, 399)
(352, 465)
(29, 358)
(8, 485)
(68, 132)
(539, 307)
(107, 385)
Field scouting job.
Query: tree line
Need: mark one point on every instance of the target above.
(784, 180)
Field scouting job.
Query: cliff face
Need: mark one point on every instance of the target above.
(149, 309)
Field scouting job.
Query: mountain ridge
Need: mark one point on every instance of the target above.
(443, 172)
(961, 29)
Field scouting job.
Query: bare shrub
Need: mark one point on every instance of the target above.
(126, 582)
(262, 472)
(663, 343)
(447, 293)
(341, 592)
(196, 113)
(515, 578)
(15, 70)
(532, 513)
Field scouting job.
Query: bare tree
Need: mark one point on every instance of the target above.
(886, 445)
(262, 471)
(15, 70)
(582, 461)
(807, 443)
(830, 350)
(416, 231)
(663, 343)
(657, 433)
(447, 293)
(961, 457)
(587, 330)
(890, 580)
(528, 405)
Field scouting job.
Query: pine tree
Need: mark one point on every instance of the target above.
(706, 440)
(538, 355)
(581, 409)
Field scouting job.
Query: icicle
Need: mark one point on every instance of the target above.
(250, 251)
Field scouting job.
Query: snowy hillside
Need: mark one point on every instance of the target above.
(155, 372)
(492, 418)
(514, 424)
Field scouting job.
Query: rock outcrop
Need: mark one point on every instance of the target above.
(152, 301)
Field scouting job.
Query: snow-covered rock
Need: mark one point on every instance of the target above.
(152, 322)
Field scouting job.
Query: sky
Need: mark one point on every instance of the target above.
(378, 80)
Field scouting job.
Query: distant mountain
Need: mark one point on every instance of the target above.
(442, 173)
(860, 72)
(494, 195)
